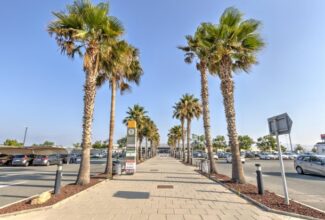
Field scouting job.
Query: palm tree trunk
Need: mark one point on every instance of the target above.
(188, 139)
(183, 138)
(227, 88)
(89, 102)
(206, 116)
(109, 162)
(140, 149)
(146, 149)
(178, 144)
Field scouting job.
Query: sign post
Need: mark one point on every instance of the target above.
(281, 124)
(130, 163)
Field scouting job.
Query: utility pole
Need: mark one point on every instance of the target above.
(26, 128)
(290, 142)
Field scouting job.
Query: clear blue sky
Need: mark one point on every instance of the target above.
(42, 89)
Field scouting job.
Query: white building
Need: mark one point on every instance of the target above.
(320, 147)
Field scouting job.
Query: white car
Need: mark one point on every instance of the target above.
(215, 156)
(267, 156)
(242, 158)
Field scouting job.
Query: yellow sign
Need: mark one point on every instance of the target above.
(132, 124)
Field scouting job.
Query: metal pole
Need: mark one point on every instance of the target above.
(290, 142)
(284, 181)
(26, 128)
(259, 178)
(58, 178)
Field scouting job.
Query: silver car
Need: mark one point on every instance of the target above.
(312, 164)
(46, 160)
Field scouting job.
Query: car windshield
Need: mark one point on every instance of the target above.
(19, 156)
(39, 156)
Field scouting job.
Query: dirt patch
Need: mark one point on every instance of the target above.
(65, 192)
(269, 199)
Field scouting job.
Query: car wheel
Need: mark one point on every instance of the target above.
(299, 170)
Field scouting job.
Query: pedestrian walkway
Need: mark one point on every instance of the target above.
(162, 188)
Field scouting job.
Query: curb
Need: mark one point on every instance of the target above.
(50, 206)
(263, 207)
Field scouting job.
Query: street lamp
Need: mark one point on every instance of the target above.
(26, 128)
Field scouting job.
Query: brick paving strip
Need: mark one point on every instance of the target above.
(162, 188)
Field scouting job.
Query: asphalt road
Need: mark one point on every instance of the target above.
(17, 183)
(307, 189)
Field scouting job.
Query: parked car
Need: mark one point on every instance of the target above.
(249, 154)
(242, 158)
(46, 160)
(75, 158)
(22, 160)
(222, 155)
(312, 164)
(265, 156)
(64, 158)
(5, 159)
(97, 155)
(291, 156)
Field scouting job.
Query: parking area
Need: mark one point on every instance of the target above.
(17, 183)
(308, 189)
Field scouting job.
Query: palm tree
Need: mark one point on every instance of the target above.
(175, 135)
(138, 114)
(119, 67)
(192, 109)
(150, 130)
(179, 114)
(196, 50)
(234, 44)
(153, 138)
(85, 29)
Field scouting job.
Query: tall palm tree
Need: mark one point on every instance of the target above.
(120, 66)
(85, 29)
(175, 135)
(196, 50)
(154, 139)
(192, 109)
(179, 114)
(150, 130)
(138, 114)
(234, 44)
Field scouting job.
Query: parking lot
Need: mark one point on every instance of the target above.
(308, 189)
(17, 183)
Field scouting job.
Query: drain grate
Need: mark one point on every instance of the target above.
(165, 187)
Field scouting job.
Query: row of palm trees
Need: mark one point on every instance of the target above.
(187, 108)
(221, 50)
(146, 130)
(89, 31)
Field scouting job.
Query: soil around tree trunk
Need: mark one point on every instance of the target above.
(65, 192)
(269, 199)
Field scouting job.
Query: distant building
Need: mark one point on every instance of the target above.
(320, 146)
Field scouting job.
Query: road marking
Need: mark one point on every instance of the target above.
(7, 185)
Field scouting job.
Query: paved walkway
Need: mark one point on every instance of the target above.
(138, 197)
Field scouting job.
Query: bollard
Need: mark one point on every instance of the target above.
(259, 179)
(58, 177)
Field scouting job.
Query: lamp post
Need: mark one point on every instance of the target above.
(26, 128)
